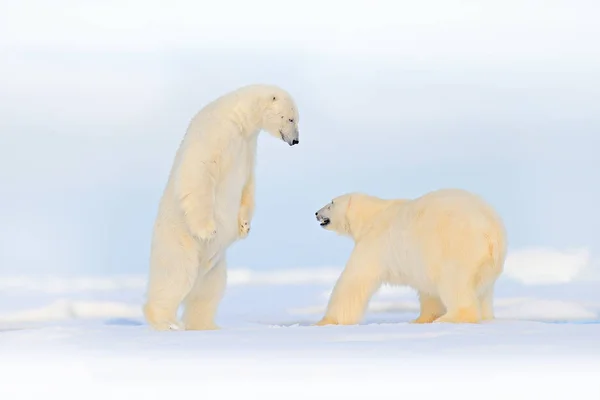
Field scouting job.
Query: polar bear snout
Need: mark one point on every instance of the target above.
(291, 139)
(322, 219)
(325, 221)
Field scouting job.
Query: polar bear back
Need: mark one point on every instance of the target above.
(442, 229)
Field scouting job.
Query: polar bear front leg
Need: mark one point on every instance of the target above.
(203, 300)
(195, 189)
(350, 297)
(246, 207)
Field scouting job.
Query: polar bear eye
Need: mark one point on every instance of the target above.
(291, 120)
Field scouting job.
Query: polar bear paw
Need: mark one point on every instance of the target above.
(461, 316)
(326, 321)
(244, 228)
(167, 325)
(208, 231)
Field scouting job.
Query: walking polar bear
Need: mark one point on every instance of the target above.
(208, 203)
(449, 245)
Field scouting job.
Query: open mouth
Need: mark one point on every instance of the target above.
(325, 222)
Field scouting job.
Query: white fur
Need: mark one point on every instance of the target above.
(208, 203)
(449, 245)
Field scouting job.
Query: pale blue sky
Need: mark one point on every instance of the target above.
(502, 100)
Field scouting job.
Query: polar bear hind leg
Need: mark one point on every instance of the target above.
(486, 301)
(202, 302)
(431, 309)
(171, 279)
(458, 293)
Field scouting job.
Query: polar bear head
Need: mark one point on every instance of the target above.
(334, 216)
(280, 115)
(351, 214)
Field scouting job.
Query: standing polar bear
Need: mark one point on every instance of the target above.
(448, 244)
(208, 203)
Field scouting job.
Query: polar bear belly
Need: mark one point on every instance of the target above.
(404, 262)
(228, 197)
(227, 206)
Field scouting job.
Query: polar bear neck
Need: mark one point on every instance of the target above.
(362, 211)
(244, 111)
(246, 107)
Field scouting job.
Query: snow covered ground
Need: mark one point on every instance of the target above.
(82, 337)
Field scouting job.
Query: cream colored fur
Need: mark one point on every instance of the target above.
(449, 245)
(208, 203)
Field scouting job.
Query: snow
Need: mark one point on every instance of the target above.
(84, 336)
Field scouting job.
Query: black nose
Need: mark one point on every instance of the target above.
(317, 213)
(295, 141)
